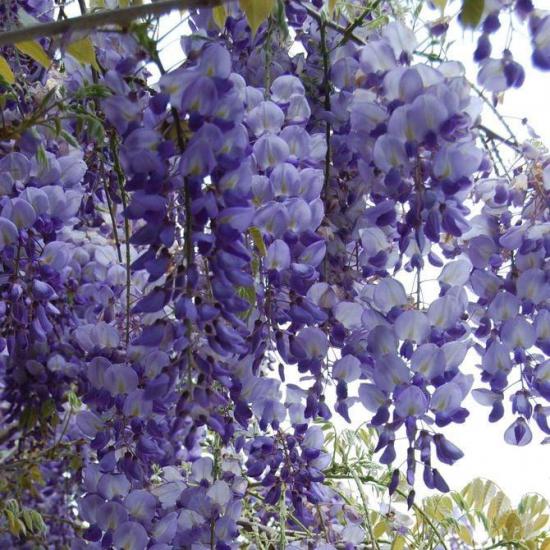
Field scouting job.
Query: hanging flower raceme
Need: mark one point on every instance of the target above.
(197, 273)
(507, 248)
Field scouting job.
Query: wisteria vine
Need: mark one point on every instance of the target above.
(199, 271)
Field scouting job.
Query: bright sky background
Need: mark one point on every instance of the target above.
(516, 470)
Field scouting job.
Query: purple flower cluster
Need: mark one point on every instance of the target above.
(497, 74)
(195, 272)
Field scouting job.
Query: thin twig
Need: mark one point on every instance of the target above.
(364, 500)
(312, 12)
(91, 21)
(348, 33)
(328, 129)
(124, 198)
(491, 134)
(496, 112)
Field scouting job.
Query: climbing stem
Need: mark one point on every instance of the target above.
(124, 199)
(359, 484)
(282, 518)
(328, 129)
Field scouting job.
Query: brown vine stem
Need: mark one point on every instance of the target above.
(188, 229)
(328, 129)
(123, 197)
(91, 21)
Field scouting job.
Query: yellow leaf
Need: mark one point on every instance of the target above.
(256, 11)
(219, 14)
(13, 526)
(35, 51)
(380, 528)
(83, 51)
(5, 71)
(545, 544)
(465, 534)
(498, 507)
(398, 543)
(513, 526)
(478, 492)
(539, 523)
(440, 4)
(331, 6)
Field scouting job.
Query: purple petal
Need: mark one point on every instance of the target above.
(518, 433)
(130, 536)
(278, 256)
(411, 402)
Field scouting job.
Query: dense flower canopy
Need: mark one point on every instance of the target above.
(199, 272)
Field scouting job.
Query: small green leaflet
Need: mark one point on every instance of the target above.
(5, 71)
(258, 240)
(471, 13)
(256, 11)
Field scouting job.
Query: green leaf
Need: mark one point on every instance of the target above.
(12, 505)
(27, 519)
(13, 525)
(47, 409)
(248, 293)
(38, 524)
(258, 240)
(471, 13)
(35, 51)
(75, 463)
(83, 51)
(69, 138)
(439, 4)
(5, 71)
(256, 11)
(74, 400)
(94, 126)
(29, 416)
(94, 91)
(35, 475)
